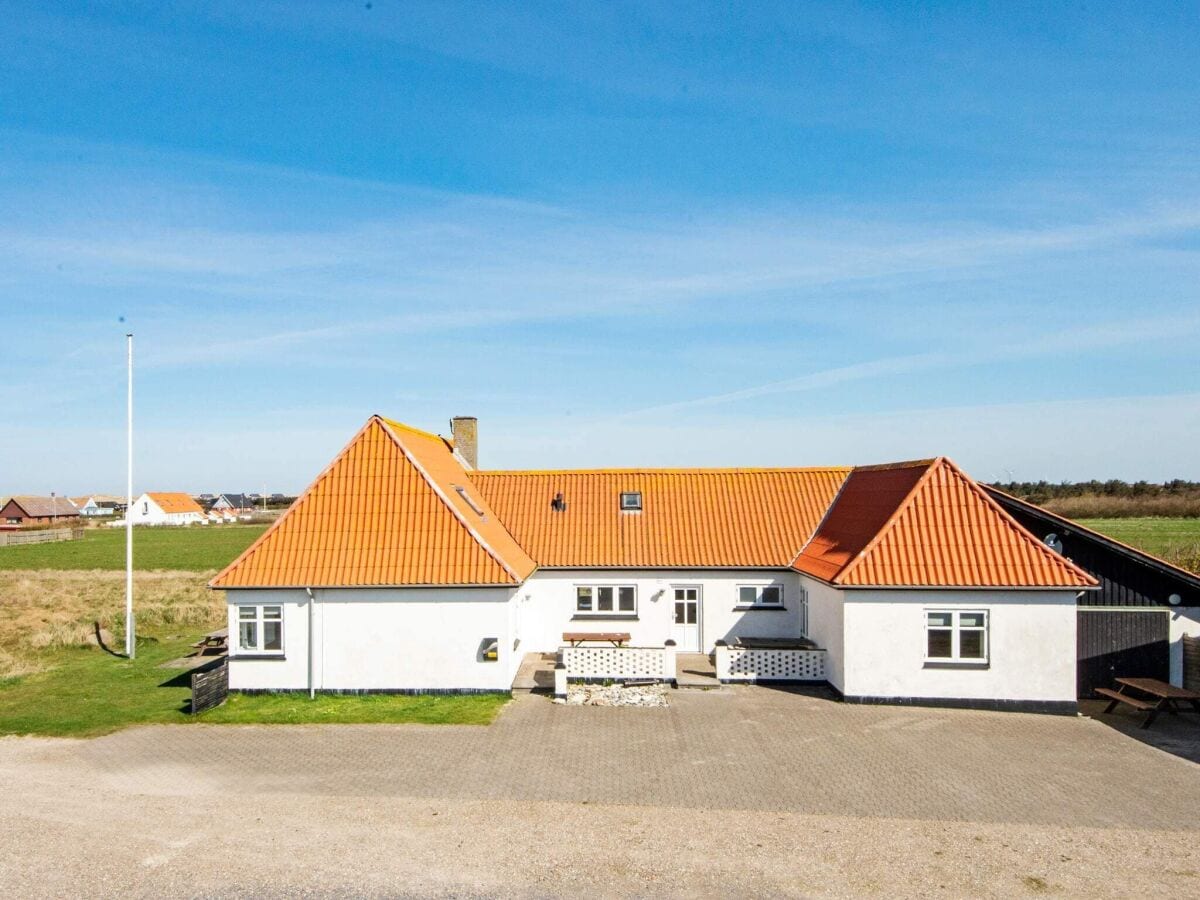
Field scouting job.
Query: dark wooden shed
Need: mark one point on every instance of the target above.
(1124, 627)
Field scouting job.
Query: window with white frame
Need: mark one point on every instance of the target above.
(260, 629)
(760, 595)
(956, 635)
(606, 599)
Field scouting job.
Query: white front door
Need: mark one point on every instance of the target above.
(685, 628)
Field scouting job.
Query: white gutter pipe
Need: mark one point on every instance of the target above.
(312, 690)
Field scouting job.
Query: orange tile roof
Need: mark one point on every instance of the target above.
(691, 518)
(174, 502)
(387, 511)
(397, 507)
(927, 524)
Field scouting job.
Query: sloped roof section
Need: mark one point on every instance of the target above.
(44, 507)
(927, 524)
(175, 502)
(387, 511)
(692, 518)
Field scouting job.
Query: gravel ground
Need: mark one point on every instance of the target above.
(313, 811)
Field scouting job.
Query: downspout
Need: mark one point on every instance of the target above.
(312, 689)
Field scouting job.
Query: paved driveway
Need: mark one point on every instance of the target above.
(746, 748)
(740, 790)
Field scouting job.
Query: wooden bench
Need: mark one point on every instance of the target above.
(1118, 697)
(616, 638)
(1166, 697)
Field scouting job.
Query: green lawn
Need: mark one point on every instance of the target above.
(198, 548)
(90, 692)
(1176, 540)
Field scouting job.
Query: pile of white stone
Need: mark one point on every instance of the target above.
(615, 695)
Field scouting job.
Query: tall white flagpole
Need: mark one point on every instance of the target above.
(129, 642)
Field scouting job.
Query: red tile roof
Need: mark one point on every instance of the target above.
(387, 511)
(690, 518)
(927, 524)
(397, 507)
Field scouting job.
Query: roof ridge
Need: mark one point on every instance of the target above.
(301, 500)
(437, 489)
(890, 522)
(1020, 529)
(906, 464)
(647, 470)
(401, 426)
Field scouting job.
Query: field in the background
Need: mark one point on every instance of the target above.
(199, 548)
(1177, 540)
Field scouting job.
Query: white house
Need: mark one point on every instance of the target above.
(97, 505)
(405, 568)
(159, 508)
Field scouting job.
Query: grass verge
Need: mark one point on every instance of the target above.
(88, 693)
(297, 709)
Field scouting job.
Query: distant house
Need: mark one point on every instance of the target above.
(98, 505)
(29, 510)
(237, 504)
(159, 508)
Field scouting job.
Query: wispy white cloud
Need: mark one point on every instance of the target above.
(1066, 342)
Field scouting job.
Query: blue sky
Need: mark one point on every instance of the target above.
(619, 234)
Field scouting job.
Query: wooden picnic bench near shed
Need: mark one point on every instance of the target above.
(1161, 696)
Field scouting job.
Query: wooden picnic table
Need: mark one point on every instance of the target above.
(215, 640)
(1165, 697)
(616, 638)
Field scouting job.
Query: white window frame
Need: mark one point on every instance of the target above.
(759, 603)
(259, 619)
(635, 494)
(956, 628)
(595, 611)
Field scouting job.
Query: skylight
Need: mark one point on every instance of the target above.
(631, 501)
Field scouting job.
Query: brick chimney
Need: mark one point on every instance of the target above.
(465, 430)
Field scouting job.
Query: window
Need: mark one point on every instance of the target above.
(145, 507)
(606, 599)
(260, 629)
(631, 500)
(760, 595)
(956, 636)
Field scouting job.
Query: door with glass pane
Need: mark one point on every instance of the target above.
(685, 629)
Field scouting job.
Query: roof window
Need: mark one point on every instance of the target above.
(631, 501)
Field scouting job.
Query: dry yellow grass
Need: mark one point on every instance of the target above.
(41, 610)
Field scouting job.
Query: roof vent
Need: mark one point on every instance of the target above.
(462, 492)
(558, 504)
(631, 501)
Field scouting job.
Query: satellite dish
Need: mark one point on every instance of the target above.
(1174, 599)
(1054, 542)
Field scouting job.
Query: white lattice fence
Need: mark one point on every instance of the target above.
(617, 663)
(761, 664)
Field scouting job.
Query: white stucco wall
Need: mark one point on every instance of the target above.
(826, 626)
(547, 606)
(382, 639)
(1031, 639)
(1184, 620)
